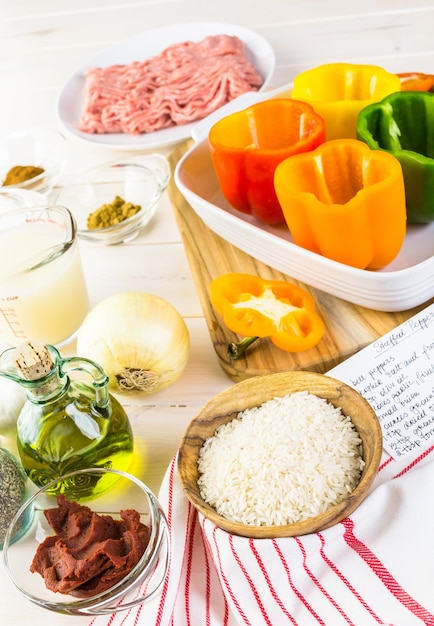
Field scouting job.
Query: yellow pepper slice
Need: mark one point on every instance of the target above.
(254, 307)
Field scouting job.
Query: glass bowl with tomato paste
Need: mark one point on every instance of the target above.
(93, 557)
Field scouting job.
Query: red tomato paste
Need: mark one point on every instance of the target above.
(89, 552)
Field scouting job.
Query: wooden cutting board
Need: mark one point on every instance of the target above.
(349, 327)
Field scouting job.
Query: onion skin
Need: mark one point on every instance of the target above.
(139, 339)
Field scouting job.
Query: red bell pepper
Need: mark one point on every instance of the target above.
(246, 147)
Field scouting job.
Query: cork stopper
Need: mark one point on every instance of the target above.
(33, 361)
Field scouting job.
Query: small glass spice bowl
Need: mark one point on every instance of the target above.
(138, 586)
(13, 493)
(139, 180)
(43, 148)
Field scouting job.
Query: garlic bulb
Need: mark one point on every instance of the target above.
(139, 339)
(12, 399)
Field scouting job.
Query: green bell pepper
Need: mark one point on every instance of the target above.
(403, 125)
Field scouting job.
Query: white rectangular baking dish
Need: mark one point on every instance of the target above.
(405, 283)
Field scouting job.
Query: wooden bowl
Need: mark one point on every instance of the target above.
(255, 391)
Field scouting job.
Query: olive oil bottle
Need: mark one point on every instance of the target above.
(69, 422)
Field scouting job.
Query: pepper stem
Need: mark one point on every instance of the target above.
(235, 350)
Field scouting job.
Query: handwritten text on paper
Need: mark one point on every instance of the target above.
(396, 375)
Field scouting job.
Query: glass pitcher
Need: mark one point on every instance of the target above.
(43, 293)
(69, 421)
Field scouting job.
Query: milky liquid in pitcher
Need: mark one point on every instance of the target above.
(48, 303)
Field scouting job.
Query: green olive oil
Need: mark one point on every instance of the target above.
(72, 437)
(69, 422)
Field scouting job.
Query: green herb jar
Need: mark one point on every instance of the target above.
(13, 493)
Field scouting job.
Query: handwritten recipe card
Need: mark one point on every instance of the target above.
(395, 374)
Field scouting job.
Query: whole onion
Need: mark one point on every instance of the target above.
(139, 339)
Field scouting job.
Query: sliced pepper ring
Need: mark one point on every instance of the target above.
(254, 307)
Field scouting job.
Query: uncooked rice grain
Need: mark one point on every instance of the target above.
(282, 462)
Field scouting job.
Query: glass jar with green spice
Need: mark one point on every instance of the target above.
(13, 493)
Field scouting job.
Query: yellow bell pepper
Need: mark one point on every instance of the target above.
(338, 91)
(344, 202)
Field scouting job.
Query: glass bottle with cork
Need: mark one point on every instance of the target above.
(69, 421)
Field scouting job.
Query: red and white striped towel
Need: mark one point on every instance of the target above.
(374, 568)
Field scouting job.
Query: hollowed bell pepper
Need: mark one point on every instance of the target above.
(403, 125)
(254, 307)
(345, 202)
(416, 81)
(338, 91)
(247, 145)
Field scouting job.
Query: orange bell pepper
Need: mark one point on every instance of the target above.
(344, 202)
(247, 145)
(416, 81)
(254, 307)
(338, 91)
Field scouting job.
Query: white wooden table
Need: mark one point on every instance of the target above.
(42, 43)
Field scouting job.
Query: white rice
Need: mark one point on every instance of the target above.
(282, 462)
